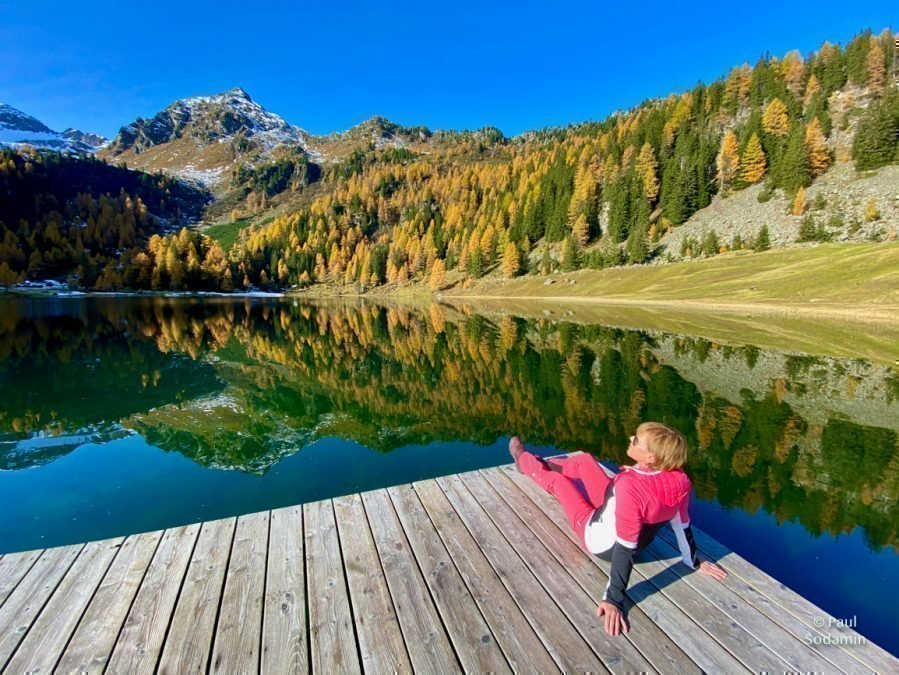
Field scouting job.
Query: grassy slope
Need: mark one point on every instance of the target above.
(832, 275)
(226, 233)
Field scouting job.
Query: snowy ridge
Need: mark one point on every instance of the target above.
(256, 119)
(18, 129)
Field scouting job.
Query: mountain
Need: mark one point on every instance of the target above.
(202, 137)
(790, 151)
(217, 139)
(19, 129)
(93, 140)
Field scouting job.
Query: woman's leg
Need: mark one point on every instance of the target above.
(577, 509)
(594, 477)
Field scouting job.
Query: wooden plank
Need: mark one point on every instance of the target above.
(475, 646)
(428, 644)
(798, 655)
(377, 627)
(189, 639)
(284, 642)
(517, 638)
(698, 628)
(95, 637)
(330, 620)
(656, 645)
(619, 655)
(48, 636)
(140, 642)
(561, 638)
(13, 568)
(26, 601)
(788, 646)
(239, 629)
(789, 609)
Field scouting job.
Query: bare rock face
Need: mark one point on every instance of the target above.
(207, 120)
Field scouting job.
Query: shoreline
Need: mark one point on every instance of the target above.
(858, 313)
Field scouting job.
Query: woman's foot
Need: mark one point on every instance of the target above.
(516, 449)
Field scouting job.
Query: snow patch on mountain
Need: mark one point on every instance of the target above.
(18, 129)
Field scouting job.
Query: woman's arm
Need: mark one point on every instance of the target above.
(628, 523)
(687, 544)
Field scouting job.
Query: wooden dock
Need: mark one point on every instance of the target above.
(473, 572)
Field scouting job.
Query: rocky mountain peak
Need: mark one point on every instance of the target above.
(208, 120)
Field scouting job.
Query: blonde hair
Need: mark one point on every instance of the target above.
(668, 445)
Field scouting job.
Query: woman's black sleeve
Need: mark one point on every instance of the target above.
(620, 574)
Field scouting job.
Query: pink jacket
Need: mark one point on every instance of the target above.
(649, 497)
(645, 501)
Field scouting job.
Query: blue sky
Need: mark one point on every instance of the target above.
(327, 66)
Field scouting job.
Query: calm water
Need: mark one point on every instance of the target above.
(120, 415)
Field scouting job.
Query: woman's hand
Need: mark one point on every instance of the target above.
(714, 570)
(615, 622)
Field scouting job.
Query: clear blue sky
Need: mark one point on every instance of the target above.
(326, 66)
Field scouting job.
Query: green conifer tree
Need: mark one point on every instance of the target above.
(877, 136)
(763, 240)
(793, 170)
(638, 245)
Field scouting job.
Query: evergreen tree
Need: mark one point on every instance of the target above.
(570, 255)
(856, 59)
(763, 240)
(618, 195)
(546, 263)
(476, 263)
(638, 245)
(830, 68)
(793, 172)
(808, 230)
(877, 135)
(710, 243)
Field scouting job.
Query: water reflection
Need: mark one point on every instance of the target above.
(241, 385)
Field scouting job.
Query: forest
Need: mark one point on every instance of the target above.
(589, 195)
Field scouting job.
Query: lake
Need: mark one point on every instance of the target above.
(120, 415)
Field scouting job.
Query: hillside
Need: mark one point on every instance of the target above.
(861, 279)
(80, 219)
(793, 149)
(837, 204)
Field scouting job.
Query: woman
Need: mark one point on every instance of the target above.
(622, 512)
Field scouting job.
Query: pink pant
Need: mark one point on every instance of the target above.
(577, 507)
